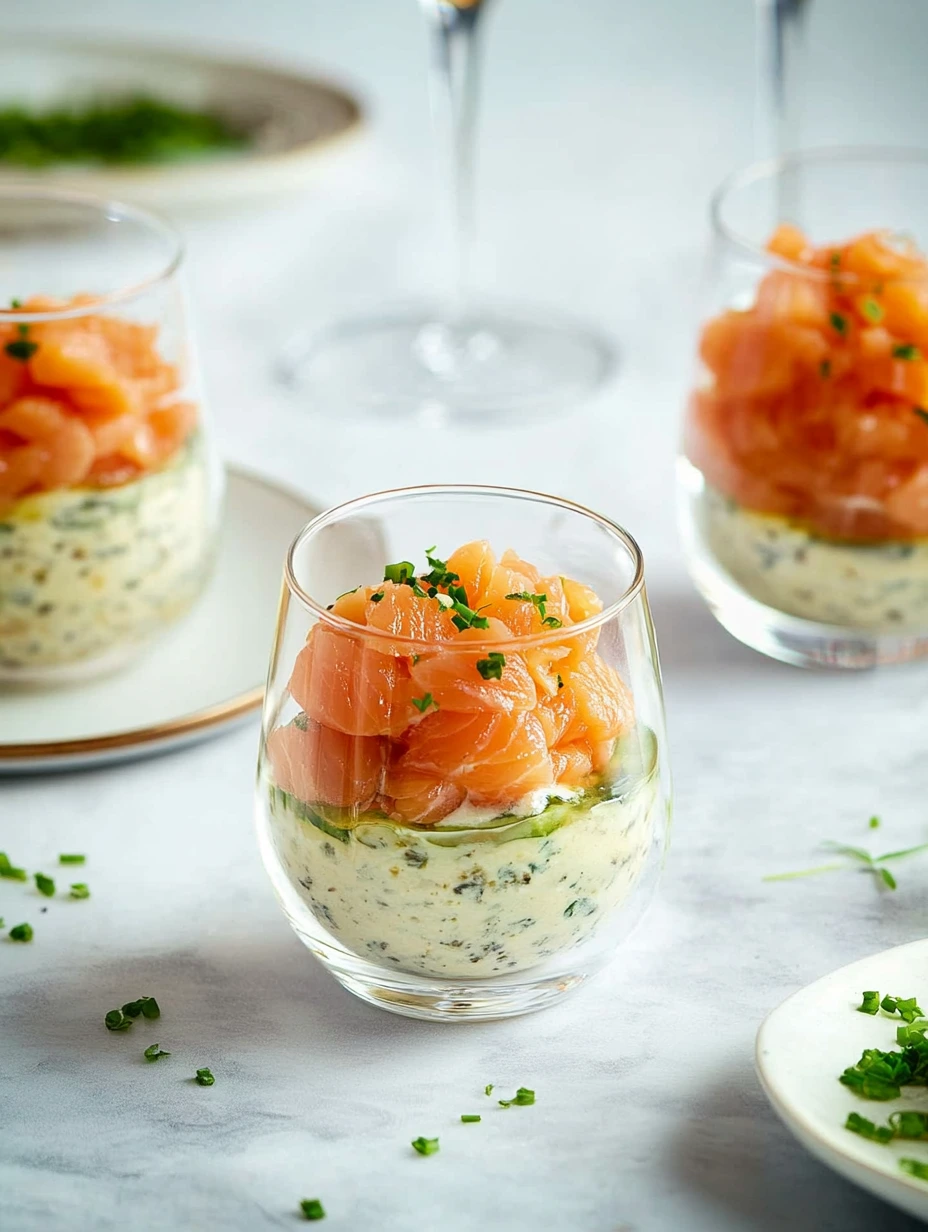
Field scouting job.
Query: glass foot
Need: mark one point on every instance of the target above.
(484, 364)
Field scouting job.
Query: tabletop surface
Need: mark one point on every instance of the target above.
(605, 128)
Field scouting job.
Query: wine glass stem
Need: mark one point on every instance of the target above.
(780, 52)
(454, 89)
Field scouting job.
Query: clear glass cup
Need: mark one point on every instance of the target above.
(451, 840)
(456, 356)
(805, 452)
(109, 488)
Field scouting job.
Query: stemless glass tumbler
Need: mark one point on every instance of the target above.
(804, 475)
(463, 792)
(109, 491)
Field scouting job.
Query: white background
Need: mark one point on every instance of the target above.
(606, 125)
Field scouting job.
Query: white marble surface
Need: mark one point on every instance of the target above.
(607, 125)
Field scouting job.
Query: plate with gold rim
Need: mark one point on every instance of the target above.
(808, 1041)
(203, 677)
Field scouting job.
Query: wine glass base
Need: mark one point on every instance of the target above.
(484, 364)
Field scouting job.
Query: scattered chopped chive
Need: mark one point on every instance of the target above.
(439, 573)
(488, 1089)
(906, 1007)
(147, 1007)
(874, 823)
(469, 1119)
(69, 859)
(21, 932)
(9, 870)
(858, 1124)
(154, 1051)
(465, 617)
(805, 872)
(402, 571)
(835, 260)
(491, 668)
(425, 1146)
(838, 322)
(312, 1208)
(415, 659)
(204, 1078)
(560, 682)
(552, 622)
(376, 598)
(45, 885)
(888, 878)
(79, 889)
(909, 1125)
(21, 349)
(915, 1167)
(16, 303)
(116, 1020)
(906, 350)
(921, 413)
(870, 1003)
(873, 311)
(422, 703)
(824, 369)
(522, 1098)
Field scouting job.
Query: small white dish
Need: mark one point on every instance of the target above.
(805, 1044)
(293, 116)
(202, 677)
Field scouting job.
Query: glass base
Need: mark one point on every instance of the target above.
(790, 638)
(483, 364)
(443, 1000)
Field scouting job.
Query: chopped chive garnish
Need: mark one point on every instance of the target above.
(491, 668)
(909, 1124)
(21, 349)
(312, 1208)
(79, 889)
(469, 1119)
(873, 311)
(522, 1098)
(204, 1078)
(560, 682)
(72, 859)
(45, 885)
(376, 598)
(906, 350)
(870, 1003)
(147, 1007)
(116, 1020)
(488, 1089)
(402, 571)
(915, 1167)
(415, 659)
(921, 412)
(552, 622)
(824, 369)
(835, 260)
(906, 1007)
(154, 1051)
(858, 1124)
(422, 703)
(9, 870)
(21, 932)
(540, 601)
(874, 823)
(439, 573)
(838, 322)
(16, 303)
(425, 1146)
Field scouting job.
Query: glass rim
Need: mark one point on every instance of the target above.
(336, 513)
(112, 210)
(773, 168)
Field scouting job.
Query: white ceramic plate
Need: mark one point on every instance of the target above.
(294, 117)
(804, 1045)
(206, 674)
